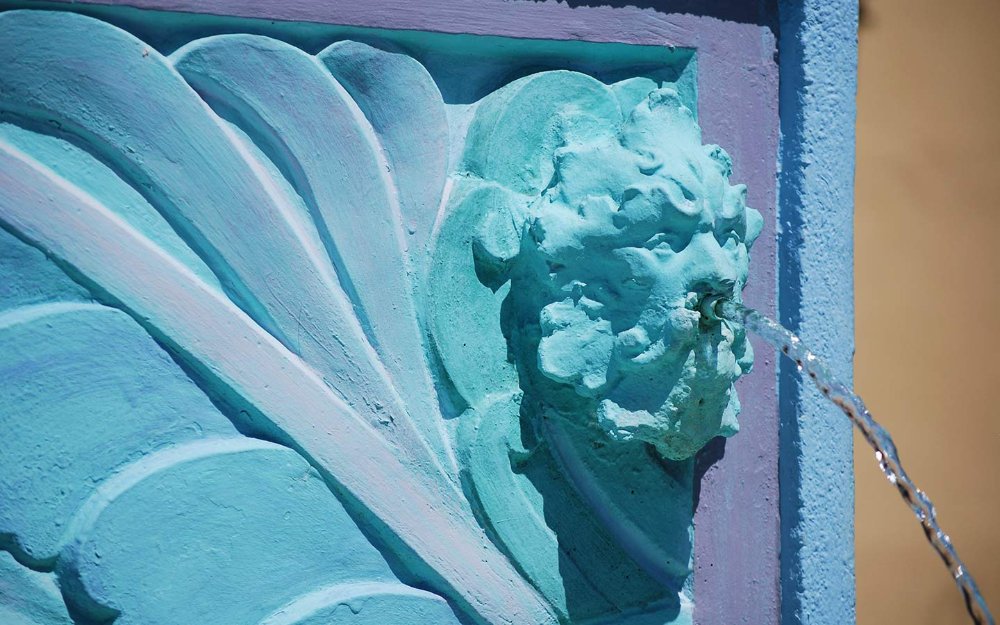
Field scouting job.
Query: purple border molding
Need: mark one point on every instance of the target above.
(737, 521)
(526, 19)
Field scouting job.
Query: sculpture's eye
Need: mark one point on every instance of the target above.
(680, 196)
(649, 164)
(635, 283)
(664, 242)
(599, 293)
(730, 233)
(686, 191)
(731, 238)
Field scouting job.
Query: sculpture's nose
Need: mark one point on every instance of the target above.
(712, 275)
(712, 270)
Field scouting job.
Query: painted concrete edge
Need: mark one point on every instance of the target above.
(600, 22)
(818, 63)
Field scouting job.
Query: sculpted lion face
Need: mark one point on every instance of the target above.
(637, 228)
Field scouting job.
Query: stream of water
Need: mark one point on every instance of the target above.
(878, 438)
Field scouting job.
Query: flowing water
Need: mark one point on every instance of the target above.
(879, 439)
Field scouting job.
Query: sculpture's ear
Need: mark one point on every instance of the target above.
(517, 128)
(497, 243)
(473, 252)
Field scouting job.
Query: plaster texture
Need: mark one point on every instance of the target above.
(727, 52)
(251, 207)
(819, 44)
(275, 333)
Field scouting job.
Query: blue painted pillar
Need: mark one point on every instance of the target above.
(815, 299)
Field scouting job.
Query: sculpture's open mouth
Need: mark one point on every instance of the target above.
(707, 298)
(694, 322)
(710, 308)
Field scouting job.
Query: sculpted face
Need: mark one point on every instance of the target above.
(637, 228)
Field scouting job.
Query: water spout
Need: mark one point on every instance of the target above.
(876, 436)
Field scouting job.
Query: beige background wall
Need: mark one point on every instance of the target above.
(928, 297)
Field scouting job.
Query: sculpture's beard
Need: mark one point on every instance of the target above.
(667, 380)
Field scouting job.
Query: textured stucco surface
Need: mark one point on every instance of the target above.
(818, 45)
(737, 107)
(818, 72)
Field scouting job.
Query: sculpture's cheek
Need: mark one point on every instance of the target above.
(632, 342)
(679, 400)
(575, 349)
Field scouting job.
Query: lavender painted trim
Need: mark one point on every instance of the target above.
(737, 572)
(738, 107)
(527, 19)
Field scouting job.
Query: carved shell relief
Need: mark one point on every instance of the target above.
(274, 350)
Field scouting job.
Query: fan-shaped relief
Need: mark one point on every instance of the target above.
(328, 364)
(587, 229)
(267, 235)
(147, 503)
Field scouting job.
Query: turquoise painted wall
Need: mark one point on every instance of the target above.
(402, 327)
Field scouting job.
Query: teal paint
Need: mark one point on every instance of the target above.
(95, 535)
(122, 441)
(77, 166)
(611, 229)
(97, 399)
(28, 597)
(29, 278)
(299, 112)
(596, 234)
(397, 94)
(274, 178)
